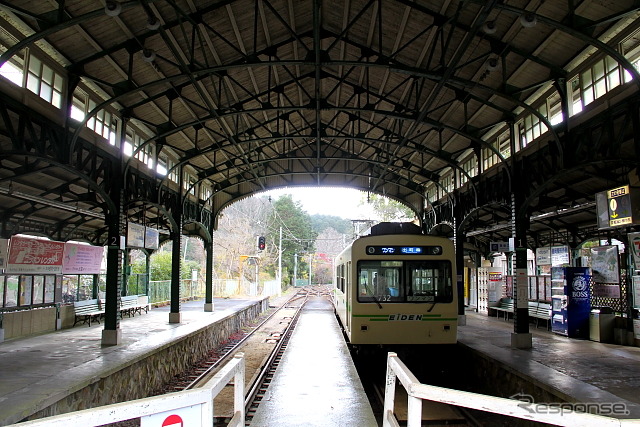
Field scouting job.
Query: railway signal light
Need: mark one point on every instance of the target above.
(261, 243)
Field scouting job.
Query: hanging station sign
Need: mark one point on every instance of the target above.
(616, 207)
(151, 238)
(135, 235)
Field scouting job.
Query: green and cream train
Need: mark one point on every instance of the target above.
(396, 286)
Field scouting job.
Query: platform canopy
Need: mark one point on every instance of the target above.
(385, 96)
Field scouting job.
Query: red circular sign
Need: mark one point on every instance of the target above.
(172, 420)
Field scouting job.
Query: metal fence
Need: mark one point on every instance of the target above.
(560, 414)
(225, 288)
(196, 405)
(160, 290)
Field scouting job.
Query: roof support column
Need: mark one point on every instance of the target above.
(208, 297)
(117, 225)
(176, 271)
(521, 337)
(458, 239)
(176, 255)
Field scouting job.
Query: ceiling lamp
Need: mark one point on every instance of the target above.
(489, 27)
(493, 64)
(112, 8)
(148, 55)
(153, 23)
(528, 19)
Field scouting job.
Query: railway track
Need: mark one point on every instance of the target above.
(263, 343)
(261, 384)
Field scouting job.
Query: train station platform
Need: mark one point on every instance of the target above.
(563, 369)
(316, 383)
(67, 368)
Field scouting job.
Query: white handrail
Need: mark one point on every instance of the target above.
(550, 414)
(158, 404)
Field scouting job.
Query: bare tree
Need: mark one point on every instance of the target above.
(329, 244)
(238, 229)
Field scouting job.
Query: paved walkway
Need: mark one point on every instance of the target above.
(37, 371)
(585, 371)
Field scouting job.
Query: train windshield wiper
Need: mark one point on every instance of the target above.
(373, 296)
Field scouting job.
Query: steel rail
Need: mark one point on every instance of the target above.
(228, 350)
(252, 399)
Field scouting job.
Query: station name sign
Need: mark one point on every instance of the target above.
(616, 207)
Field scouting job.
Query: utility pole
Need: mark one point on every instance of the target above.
(295, 269)
(280, 259)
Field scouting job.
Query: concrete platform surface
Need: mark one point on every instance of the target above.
(316, 383)
(40, 370)
(580, 370)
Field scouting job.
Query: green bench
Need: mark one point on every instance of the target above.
(505, 306)
(540, 311)
(87, 311)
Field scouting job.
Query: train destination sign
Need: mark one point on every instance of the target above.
(404, 250)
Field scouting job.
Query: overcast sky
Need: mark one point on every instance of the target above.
(342, 202)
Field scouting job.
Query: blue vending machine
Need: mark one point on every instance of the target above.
(570, 301)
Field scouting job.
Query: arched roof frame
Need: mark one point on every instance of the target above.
(398, 116)
(106, 204)
(445, 79)
(173, 225)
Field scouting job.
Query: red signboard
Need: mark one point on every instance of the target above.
(32, 256)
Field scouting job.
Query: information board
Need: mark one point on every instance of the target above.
(34, 256)
(82, 259)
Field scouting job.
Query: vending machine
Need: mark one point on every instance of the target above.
(570, 301)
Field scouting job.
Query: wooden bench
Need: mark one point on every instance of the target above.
(143, 304)
(132, 304)
(88, 310)
(128, 305)
(505, 305)
(540, 311)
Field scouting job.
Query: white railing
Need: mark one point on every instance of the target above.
(196, 404)
(550, 414)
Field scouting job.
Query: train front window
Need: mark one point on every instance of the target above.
(380, 281)
(429, 281)
(405, 281)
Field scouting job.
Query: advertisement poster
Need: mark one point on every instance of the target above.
(82, 259)
(151, 238)
(635, 284)
(543, 256)
(495, 285)
(604, 264)
(135, 235)
(634, 242)
(559, 256)
(33, 256)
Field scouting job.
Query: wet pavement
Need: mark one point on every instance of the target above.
(39, 370)
(316, 383)
(582, 370)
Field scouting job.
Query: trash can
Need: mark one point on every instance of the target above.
(601, 321)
